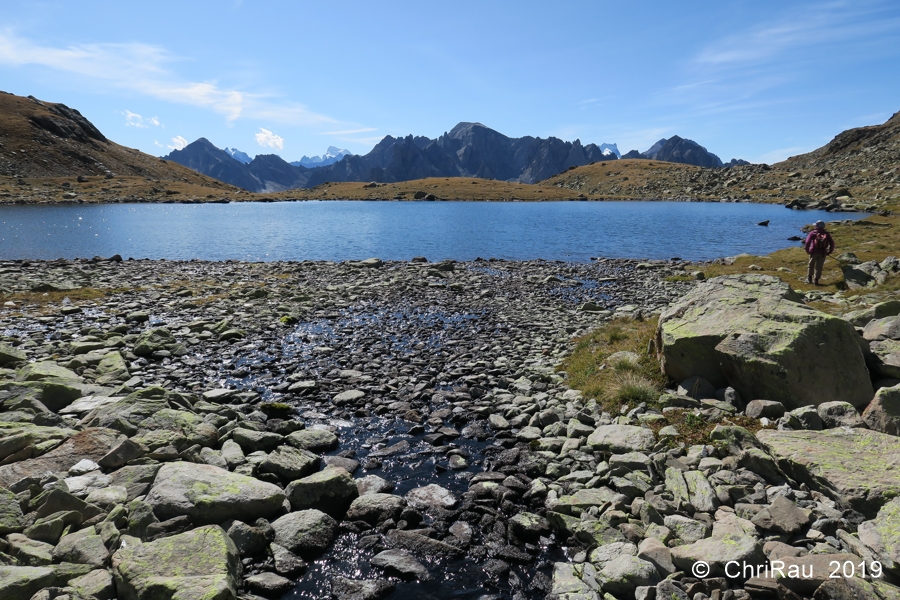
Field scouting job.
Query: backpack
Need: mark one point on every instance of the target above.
(820, 243)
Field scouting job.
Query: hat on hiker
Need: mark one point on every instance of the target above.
(820, 224)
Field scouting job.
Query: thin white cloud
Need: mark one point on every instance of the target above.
(178, 143)
(351, 131)
(686, 86)
(363, 141)
(267, 138)
(638, 139)
(146, 69)
(157, 144)
(136, 120)
(779, 155)
(804, 27)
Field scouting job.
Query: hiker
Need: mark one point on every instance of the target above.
(818, 245)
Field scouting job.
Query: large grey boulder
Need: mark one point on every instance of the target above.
(887, 328)
(202, 563)
(330, 490)
(881, 536)
(92, 444)
(208, 494)
(314, 440)
(23, 582)
(620, 439)
(886, 358)
(838, 414)
(8, 354)
(881, 310)
(11, 517)
(753, 333)
(375, 508)
(719, 550)
(305, 532)
(290, 463)
(623, 574)
(858, 467)
(82, 547)
(883, 412)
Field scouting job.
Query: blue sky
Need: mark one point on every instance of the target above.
(756, 80)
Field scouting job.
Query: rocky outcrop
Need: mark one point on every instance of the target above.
(753, 333)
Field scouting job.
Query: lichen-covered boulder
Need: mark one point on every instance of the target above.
(11, 518)
(208, 494)
(859, 467)
(39, 371)
(203, 563)
(23, 582)
(753, 333)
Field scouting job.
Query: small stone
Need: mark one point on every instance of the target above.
(401, 562)
(268, 584)
(430, 496)
(839, 414)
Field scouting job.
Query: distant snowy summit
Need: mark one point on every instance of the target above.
(610, 150)
(238, 155)
(331, 156)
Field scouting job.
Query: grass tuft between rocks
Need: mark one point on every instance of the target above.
(620, 381)
(615, 381)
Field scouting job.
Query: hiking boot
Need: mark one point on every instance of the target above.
(816, 282)
(809, 281)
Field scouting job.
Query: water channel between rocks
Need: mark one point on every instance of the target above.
(427, 344)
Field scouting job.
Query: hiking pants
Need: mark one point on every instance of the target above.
(814, 270)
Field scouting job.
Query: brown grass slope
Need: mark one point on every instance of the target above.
(441, 188)
(45, 145)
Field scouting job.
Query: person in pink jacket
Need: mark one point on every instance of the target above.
(818, 245)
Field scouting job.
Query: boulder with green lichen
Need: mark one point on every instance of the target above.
(208, 494)
(202, 564)
(755, 334)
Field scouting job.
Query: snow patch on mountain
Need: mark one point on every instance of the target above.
(610, 149)
(238, 155)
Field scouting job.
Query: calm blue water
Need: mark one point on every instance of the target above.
(571, 231)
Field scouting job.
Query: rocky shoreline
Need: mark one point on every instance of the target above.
(241, 430)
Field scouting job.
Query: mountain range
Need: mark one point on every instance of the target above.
(50, 153)
(467, 150)
(331, 156)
